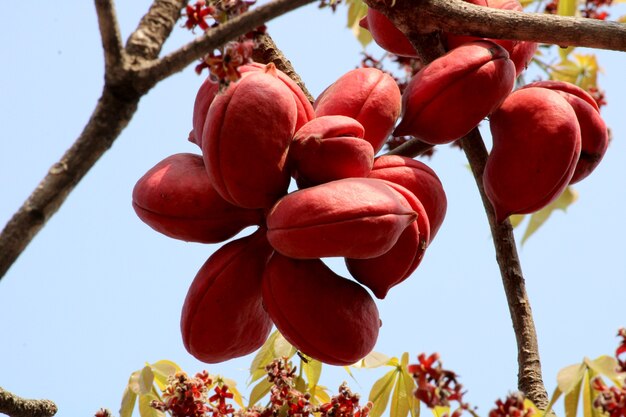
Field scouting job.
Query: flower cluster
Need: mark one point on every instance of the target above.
(185, 396)
(589, 8)
(620, 352)
(512, 406)
(346, 404)
(611, 400)
(436, 387)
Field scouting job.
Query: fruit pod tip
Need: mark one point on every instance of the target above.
(271, 69)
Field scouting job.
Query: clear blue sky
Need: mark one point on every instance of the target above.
(98, 293)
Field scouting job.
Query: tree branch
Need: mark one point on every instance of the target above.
(463, 18)
(179, 59)
(110, 34)
(529, 366)
(14, 406)
(411, 148)
(154, 28)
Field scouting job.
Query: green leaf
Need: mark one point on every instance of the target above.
(571, 400)
(569, 377)
(567, 8)
(399, 401)
(146, 379)
(567, 198)
(259, 391)
(381, 390)
(163, 369)
(145, 409)
(312, 370)
(129, 398)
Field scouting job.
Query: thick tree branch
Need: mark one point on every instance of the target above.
(179, 59)
(154, 28)
(110, 34)
(14, 406)
(459, 17)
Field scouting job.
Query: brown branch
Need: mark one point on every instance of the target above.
(109, 33)
(411, 148)
(179, 59)
(463, 18)
(266, 51)
(154, 28)
(529, 376)
(14, 406)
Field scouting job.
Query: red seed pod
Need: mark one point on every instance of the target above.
(329, 148)
(386, 35)
(536, 144)
(352, 217)
(367, 95)
(451, 95)
(326, 316)
(304, 107)
(382, 273)
(176, 198)
(223, 315)
(206, 93)
(520, 52)
(418, 178)
(594, 133)
(246, 139)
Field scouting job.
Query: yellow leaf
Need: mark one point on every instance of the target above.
(567, 8)
(440, 411)
(567, 198)
(282, 348)
(356, 11)
(381, 390)
(313, 371)
(516, 219)
(319, 395)
(274, 347)
(409, 388)
(569, 377)
(571, 400)
(259, 391)
(145, 409)
(129, 398)
(605, 365)
(232, 387)
(133, 382)
(373, 360)
(163, 369)
(146, 379)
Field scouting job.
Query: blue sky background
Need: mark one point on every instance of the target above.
(98, 293)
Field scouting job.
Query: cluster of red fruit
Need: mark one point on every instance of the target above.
(546, 135)
(379, 214)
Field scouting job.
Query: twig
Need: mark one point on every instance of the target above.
(179, 59)
(457, 16)
(411, 148)
(109, 33)
(14, 406)
(530, 379)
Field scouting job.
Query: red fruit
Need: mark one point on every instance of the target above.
(223, 315)
(386, 35)
(536, 144)
(304, 108)
(594, 134)
(418, 178)
(206, 93)
(176, 198)
(520, 52)
(246, 139)
(352, 217)
(388, 270)
(451, 95)
(329, 148)
(324, 315)
(368, 95)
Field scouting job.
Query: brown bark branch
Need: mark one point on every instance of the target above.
(154, 28)
(109, 33)
(529, 375)
(463, 18)
(14, 406)
(179, 59)
(411, 148)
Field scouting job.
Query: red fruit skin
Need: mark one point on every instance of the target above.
(206, 93)
(223, 315)
(451, 95)
(594, 133)
(329, 148)
(382, 273)
(305, 110)
(536, 144)
(246, 139)
(352, 217)
(324, 315)
(368, 95)
(418, 178)
(176, 198)
(386, 35)
(520, 52)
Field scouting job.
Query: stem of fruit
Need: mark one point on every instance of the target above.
(529, 375)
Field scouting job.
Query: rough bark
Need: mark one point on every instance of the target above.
(14, 406)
